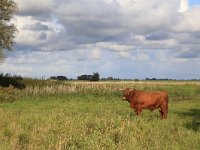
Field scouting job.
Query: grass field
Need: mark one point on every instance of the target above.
(85, 115)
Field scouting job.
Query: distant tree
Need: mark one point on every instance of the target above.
(53, 78)
(7, 80)
(95, 77)
(7, 29)
(85, 77)
(136, 79)
(58, 78)
(17, 77)
(110, 78)
(61, 78)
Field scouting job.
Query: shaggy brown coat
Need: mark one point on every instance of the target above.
(147, 100)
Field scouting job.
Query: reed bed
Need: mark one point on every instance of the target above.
(177, 90)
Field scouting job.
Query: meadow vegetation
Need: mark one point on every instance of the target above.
(62, 115)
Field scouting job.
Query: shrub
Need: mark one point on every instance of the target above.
(7, 94)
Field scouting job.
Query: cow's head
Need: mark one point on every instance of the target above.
(127, 94)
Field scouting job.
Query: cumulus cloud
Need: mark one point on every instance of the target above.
(35, 8)
(105, 24)
(36, 27)
(104, 30)
(184, 6)
(95, 54)
(189, 21)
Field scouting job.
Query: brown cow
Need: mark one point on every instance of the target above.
(147, 100)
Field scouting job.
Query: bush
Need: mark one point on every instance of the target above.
(6, 80)
(7, 94)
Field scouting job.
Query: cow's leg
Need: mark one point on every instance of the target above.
(163, 112)
(138, 111)
(164, 115)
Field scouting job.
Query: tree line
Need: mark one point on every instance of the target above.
(94, 77)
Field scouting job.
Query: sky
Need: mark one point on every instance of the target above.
(129, 39)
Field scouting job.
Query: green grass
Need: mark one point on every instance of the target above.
(95, 121)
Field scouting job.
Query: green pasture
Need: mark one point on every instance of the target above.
(93, 116)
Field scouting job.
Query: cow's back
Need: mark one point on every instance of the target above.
(149, 100)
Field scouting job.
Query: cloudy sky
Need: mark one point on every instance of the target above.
(119, 38)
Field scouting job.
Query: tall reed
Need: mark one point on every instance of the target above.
(176, 90)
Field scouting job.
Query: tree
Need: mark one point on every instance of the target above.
(95, 77)
(85, 77)
(7, 29)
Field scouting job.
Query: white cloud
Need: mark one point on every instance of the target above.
(117, 47)
(141, 57)
(190, 21)
(32, 8)
(95, 54)
(72, 32)
(184, 6)
(124, 54)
